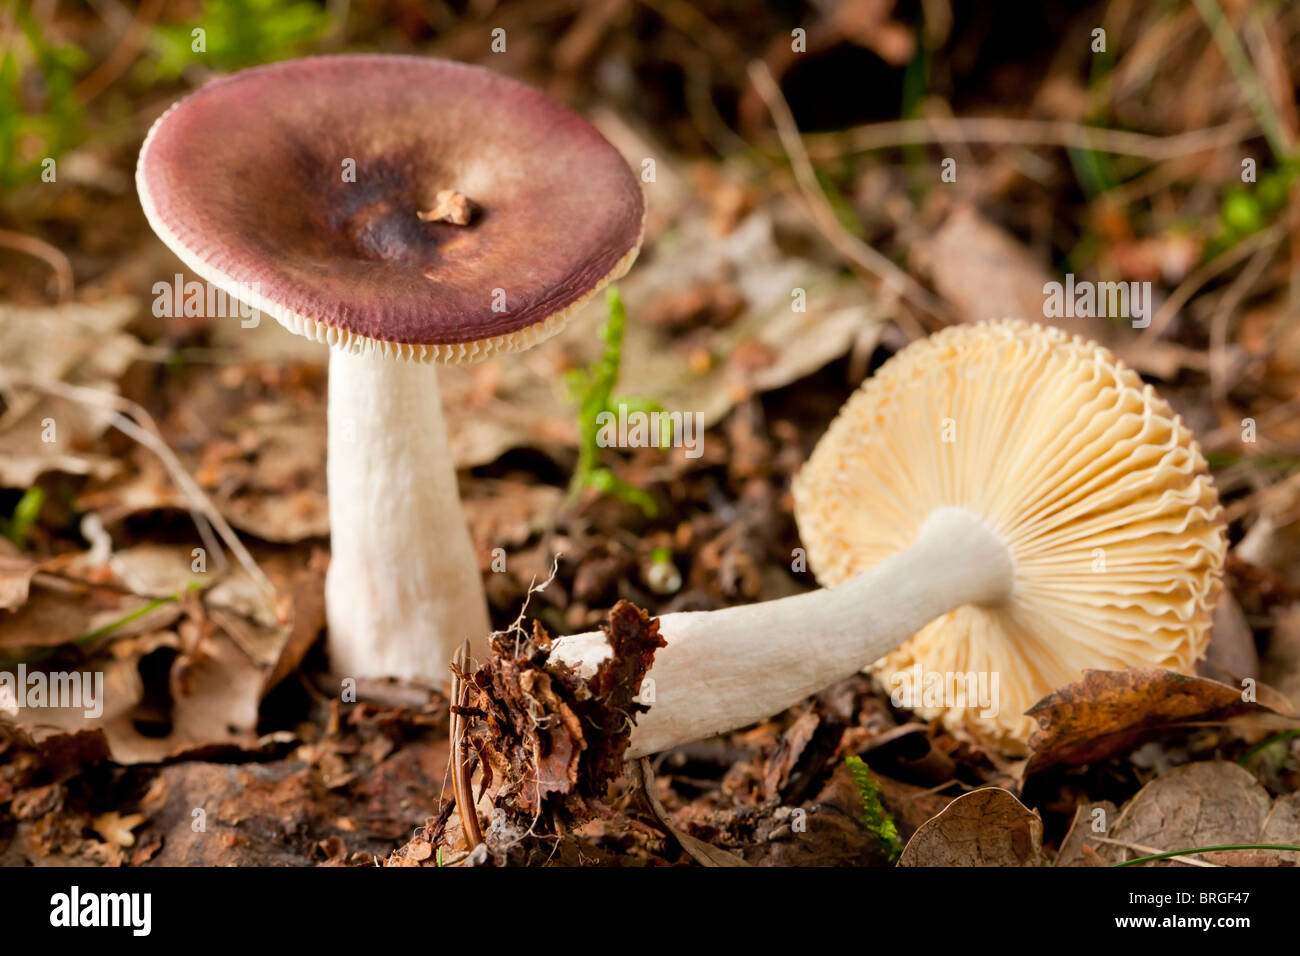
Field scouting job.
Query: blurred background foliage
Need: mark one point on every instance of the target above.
(76, 74)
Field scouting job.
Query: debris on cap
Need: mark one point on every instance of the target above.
(449, 206)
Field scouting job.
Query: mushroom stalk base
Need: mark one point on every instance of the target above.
(726, 669)
(403, 589)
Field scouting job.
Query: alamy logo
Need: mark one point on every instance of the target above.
(640, 429)
(75, 908)
(84, 689)
(1106, 300)
(915, 688)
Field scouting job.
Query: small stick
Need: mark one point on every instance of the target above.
(706, 854)
(1150, 849)
(51, 256)
(1001, 131)
(462, 786)
(1199, 276)
(123, 54)
(863, 256)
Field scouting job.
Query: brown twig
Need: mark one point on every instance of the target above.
(1139, 848)
(123, 54)
(462, 785)
(858, 253)
(706, 854)
(1203, 274)
(996, 130)
(1223, 313)
(40, 249)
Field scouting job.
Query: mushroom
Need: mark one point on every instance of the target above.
(1000, 499)
(405, 211)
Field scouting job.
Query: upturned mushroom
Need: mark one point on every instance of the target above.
(405, 211)
(999, 499)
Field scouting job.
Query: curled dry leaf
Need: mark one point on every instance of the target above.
(986, 827)
(308, 605)
(1108, 712)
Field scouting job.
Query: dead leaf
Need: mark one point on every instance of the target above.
(986, 273)
(706, 854)
(1231, 654)
(986, 827)
(81, 343)
(1211, 803)
(308, 602)
(1108, 712)
(16, 573)
(1077, 849)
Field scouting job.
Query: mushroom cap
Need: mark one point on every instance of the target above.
(247, 180)
(1096, 487)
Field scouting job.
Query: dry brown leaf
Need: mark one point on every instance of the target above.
(16, 573)
(985, 273)
(81, 343)
(1231, 654)
(52, 617)
(1211, 803)
(1107, 712)
(1077, 849)
(986, 827)
(1282, 825)
(308, 617)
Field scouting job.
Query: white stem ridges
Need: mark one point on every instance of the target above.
(726, 669)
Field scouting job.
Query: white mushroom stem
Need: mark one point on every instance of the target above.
(403, 589)
(725, 669)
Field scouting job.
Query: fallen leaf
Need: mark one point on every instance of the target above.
(1077, 849)
(986, 273)
(16, 573)
(81, 343)
(1231, 654)
(308, 618)
(1108, 712)
(1210, 803)
(986, 827)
